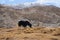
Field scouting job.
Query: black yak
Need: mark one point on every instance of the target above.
(24, 24)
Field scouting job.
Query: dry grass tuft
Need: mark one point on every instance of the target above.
(36, 33)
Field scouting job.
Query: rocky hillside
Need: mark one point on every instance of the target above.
(45, 14)
(37, 15)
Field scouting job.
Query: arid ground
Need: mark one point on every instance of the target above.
(35, 33)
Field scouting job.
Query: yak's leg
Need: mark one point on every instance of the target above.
(30, 25)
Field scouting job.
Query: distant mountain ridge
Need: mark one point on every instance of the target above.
(37, 15)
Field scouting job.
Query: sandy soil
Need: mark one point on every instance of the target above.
(42, 33)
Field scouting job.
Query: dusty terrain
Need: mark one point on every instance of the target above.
(35, 33)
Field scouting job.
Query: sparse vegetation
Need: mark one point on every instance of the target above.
(54, 39)
(28, 34)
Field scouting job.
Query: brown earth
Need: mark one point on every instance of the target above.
(36, 33)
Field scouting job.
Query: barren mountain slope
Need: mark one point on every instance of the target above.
(9, 17)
